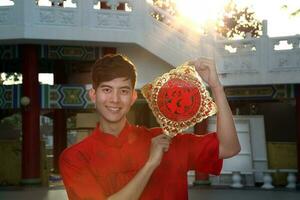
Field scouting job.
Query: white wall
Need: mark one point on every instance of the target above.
(253, 155)
(148, 65)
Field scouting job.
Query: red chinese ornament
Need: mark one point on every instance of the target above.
(179, 99)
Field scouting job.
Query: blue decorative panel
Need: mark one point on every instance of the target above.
(76, 96)
(2, 96)
(65, 96)
(10, 96)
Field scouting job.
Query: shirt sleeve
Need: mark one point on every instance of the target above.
(203, 153)
(79, 182)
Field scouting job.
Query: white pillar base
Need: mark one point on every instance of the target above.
(236, 180)
(268, 179)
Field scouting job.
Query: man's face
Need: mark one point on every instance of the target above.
(113, 99)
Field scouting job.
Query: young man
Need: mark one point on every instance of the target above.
(122, 161)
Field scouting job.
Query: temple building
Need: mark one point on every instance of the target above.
(261, 77)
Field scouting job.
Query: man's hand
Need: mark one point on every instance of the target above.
(206, 68)
(228, 141)
(135, 187)
(159, 145)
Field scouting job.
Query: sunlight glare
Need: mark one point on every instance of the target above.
(46, 78)
(44, 3)
(279, 20)
(203, 14)
(200, 12)
(10, 80)
(6, 3)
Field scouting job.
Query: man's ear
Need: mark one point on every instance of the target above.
(134, 97)
(92, 94)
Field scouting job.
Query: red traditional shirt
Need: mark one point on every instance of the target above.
(102, 164)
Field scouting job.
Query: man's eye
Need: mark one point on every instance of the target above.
(106, 90)
(124, 91)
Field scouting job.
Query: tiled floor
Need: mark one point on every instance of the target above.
(33, 194)
(195, 193)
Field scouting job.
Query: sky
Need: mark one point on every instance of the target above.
(280, 23)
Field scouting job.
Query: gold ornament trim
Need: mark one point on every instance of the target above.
(185, 72)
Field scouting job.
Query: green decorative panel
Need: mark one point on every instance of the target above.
(73, 96)
(8, 52)
(267, 92)
(11, 162)
(81, 53)
(10, 159)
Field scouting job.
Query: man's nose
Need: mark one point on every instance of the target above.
(115, 96)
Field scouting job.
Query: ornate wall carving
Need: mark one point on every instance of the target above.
(113, 20)
(60, 17)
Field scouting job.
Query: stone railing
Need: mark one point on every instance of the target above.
(284, 53)
(256, 61)
(83, 22)
(176, 37)
(88, 21)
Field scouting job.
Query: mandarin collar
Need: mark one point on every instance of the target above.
(111, 140)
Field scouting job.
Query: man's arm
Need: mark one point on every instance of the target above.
(228, 141)
(81, 184)
(136, 186)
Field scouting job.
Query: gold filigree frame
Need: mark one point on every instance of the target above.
(186, 73)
